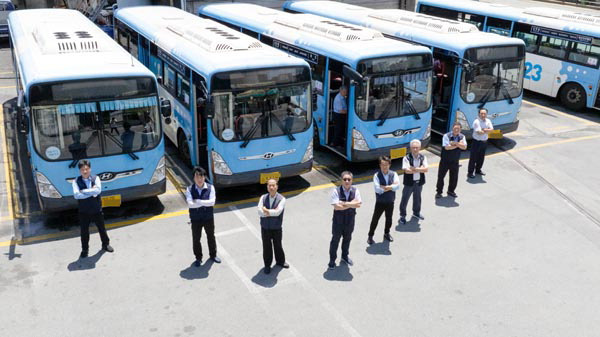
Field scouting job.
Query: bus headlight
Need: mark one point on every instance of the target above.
(47, 190)
(358, 141)
(159, 172)
(219, 165)
(462, 120)
(308, 154)
(428, 131)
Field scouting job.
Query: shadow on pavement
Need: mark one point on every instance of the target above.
(340, 273)
(264, 280)
(379, 248)
(86, 263)
(477, 180)
(411, 226)
(195, 273)
(446, 202)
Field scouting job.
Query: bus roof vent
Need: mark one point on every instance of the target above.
(214, 38)
(328, 28)
(564, 15)
(422, 21)
(52, 40)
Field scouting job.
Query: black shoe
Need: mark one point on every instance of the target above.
(197, 263)
(388, 237)
(216, 259)
(419, 216)
(84, 254)
(348, 261)
(481, 173)
(403, 220)
(108, 248)
(438, 195)
(285, 265)
(331, 265)
(370, 240)
(470, 175)
(452, 194)
(267, 270)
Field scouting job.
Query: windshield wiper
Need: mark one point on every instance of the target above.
(411, 107)
(386, 112)
(283, 128)
(252, 131)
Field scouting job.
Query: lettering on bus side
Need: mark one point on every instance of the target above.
(303, 53)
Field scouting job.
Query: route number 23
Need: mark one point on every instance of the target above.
(533, 71)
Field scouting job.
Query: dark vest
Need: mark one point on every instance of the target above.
(91, 205)
(201, 213)
(408, 178)
(386, 197)
(272, 222)
(452, 156)
(345, 217)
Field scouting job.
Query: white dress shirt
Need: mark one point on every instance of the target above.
(335, 197)
(272, 212)
(478, 125)
(195, 203)
(89, 191)
(395, 183)
(416, 163)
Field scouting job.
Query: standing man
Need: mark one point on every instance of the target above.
(452, 143)
(345, 199)
(200, 197)
(340, 113)
(270, 210)
(87, 189)
(386, 184)
(482, 127)
(415, 166)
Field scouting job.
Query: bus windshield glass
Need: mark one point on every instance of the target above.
(86, 119)
(396, 87)
(261, 103)
(493, 74)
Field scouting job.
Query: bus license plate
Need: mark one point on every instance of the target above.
(397, 153)
(264, 177)
(111, 201)
(495, 134)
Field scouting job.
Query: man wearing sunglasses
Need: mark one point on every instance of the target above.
(345, 199)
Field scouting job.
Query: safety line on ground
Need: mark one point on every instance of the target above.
(579, 119)
(7, 173)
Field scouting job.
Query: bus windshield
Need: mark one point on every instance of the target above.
(396, 87)
(261, 103)
(494, 79)
(76, 120)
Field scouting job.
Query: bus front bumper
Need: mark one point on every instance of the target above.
(505, 128)
(253, 177)
(127, 194)
(359, 156)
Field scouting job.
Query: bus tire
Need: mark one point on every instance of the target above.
(316, 141)
(183, 148)
(573, 96)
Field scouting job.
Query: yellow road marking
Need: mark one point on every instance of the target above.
(7, 174)
(579, 119)
(6, 72)
(8, 87)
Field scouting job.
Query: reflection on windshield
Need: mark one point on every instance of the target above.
(391, 95)
(492, 81)
(82, 130)
(259, 113)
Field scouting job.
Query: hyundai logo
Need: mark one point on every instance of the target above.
(402, 133)
(268, 155)
(106, 176)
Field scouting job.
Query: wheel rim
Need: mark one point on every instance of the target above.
(573, 95)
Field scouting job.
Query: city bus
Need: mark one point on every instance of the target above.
(562, 47)
(241, 109)
(80, 96)
(472, 70)
(389, 98)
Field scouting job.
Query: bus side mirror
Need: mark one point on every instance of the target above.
(22, 118)
(165, 107)
(355, 77)
(205, 107)
(159, 80)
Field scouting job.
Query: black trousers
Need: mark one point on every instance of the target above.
(446, 166)
(271, 241)
(343, 232)
(209, 228)
(84, 224)
(407, 191)
(339, 129)
(477, 156)
(114, 129)
(380, 207)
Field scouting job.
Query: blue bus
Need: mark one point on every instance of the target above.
(389, 99)
(81, 96)
(562, 47)
(240, 108)
(471, 69)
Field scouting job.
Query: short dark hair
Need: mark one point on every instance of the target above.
(200, 171)
(84, 162)
(484, 109)
(456, 124)
(385, 158)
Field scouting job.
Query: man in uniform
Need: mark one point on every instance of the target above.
(452, 143)
(482, 127)
(415, 166)
(386, 184)
(345, 199)
(270, 210)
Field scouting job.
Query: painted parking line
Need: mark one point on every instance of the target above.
(8, 87)
(579, 119)
(7, 173)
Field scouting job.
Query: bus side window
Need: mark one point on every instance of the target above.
(201, 101)
(169, 80)
(318, 75)
(156, 64)
(133, 43)
(250, 33)
(498, 26)
(122, 37)
(553, 47)
(585, 54)
(183, 91)
(439, 12)
(522, 32)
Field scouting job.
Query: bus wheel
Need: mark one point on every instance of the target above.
(573, 96)
(316, 142)
(183, 148)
